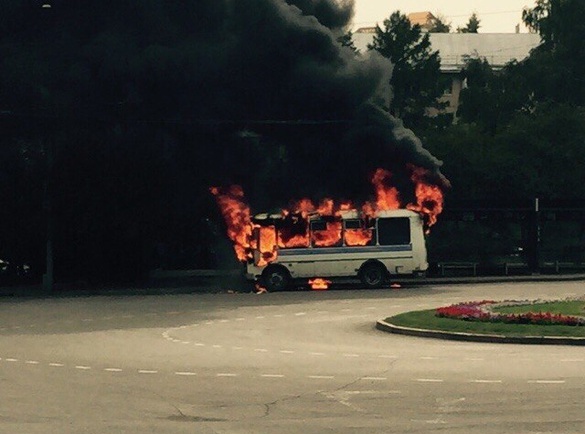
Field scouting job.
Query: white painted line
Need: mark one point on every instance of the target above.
(83, 368)
(147, 371)
(474, 359)
(31, 362)
(199, 344)
(186, 374)
(226, 374)
(300, 313)
(316, 354)
(113, 370)
(375, 378)
(429, 380)
(224, 320)
(287, 352)
(261, 350)
(351, 355)
(320, 377)
(346, 310)
(278, 315)
(486, 381)
(427, 358)
(387, 356)
(547, 381)
(240, 319)
(396, 306)
(260, 317)
(272, 375)
(185, 342)
(216, 346)
(209, 322)
(58, 365)
(323, 312)
(11, 360)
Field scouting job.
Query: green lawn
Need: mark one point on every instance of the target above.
(426, 319)
(573, 307)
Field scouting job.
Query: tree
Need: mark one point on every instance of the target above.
(346, 40)
(416, 78)
(557, 64)
(472, 25)
(440, 25)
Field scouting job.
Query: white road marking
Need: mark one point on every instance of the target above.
(375, 378)
(199, 344)
(31, 362)
(287, 352)
(346, 310)
(429, 380)
(11, 360)
(216, 346)
(387, 356)
(226, 374)
(260, 317)
(147, 371)
(185, 342)
(427, 358)
(83, 368)
(186, 374)
(395, 306)
(316, 354)
(474, 359)
(261, 350)
(240, 319)
(224, 320)
(58, 365)
(486, 381)
(351, 355)
(272, 375)
(300, 313)
(278, 315)
(209, 322)
(113, 370)
(547, 381)
(321, 312)
(320, 377)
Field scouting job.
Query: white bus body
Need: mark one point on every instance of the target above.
(397, 247)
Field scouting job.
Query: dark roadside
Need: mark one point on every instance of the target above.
(232, 281)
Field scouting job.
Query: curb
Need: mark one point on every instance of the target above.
(471, 337)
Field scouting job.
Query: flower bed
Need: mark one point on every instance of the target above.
(483, 311)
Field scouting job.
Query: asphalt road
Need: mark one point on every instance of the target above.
(298, 362)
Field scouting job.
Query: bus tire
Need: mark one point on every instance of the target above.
(275, 278)
(373, 274)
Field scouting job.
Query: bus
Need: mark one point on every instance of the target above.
(390, 243)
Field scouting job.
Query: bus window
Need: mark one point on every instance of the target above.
(356, 234)
(393, 231)
(325, 234)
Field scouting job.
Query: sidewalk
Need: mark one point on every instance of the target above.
(228, 281)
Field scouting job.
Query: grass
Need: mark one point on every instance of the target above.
(426, 319)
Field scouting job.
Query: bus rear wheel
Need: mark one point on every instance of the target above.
(373, 275)
(275, 278)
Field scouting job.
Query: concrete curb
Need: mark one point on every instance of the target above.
(471, 337)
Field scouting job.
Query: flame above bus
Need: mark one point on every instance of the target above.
(293, 222)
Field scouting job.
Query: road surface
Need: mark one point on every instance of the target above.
(297, 362)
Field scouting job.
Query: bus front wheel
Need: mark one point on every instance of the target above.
(275, 278)
(373, 275)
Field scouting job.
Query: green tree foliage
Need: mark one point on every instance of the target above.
(440, 25)
(558, 65)
(472, 25)
(416, 82)
(346, 40)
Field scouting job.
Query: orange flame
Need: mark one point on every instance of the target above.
(236, 214)
(319, 283)
(294, 232)
(429, 197)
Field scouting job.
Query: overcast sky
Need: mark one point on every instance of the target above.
(496, 16)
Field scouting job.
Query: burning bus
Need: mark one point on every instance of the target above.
(349, 244)
(382, 238)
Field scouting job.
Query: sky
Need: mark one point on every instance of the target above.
(496, 16)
